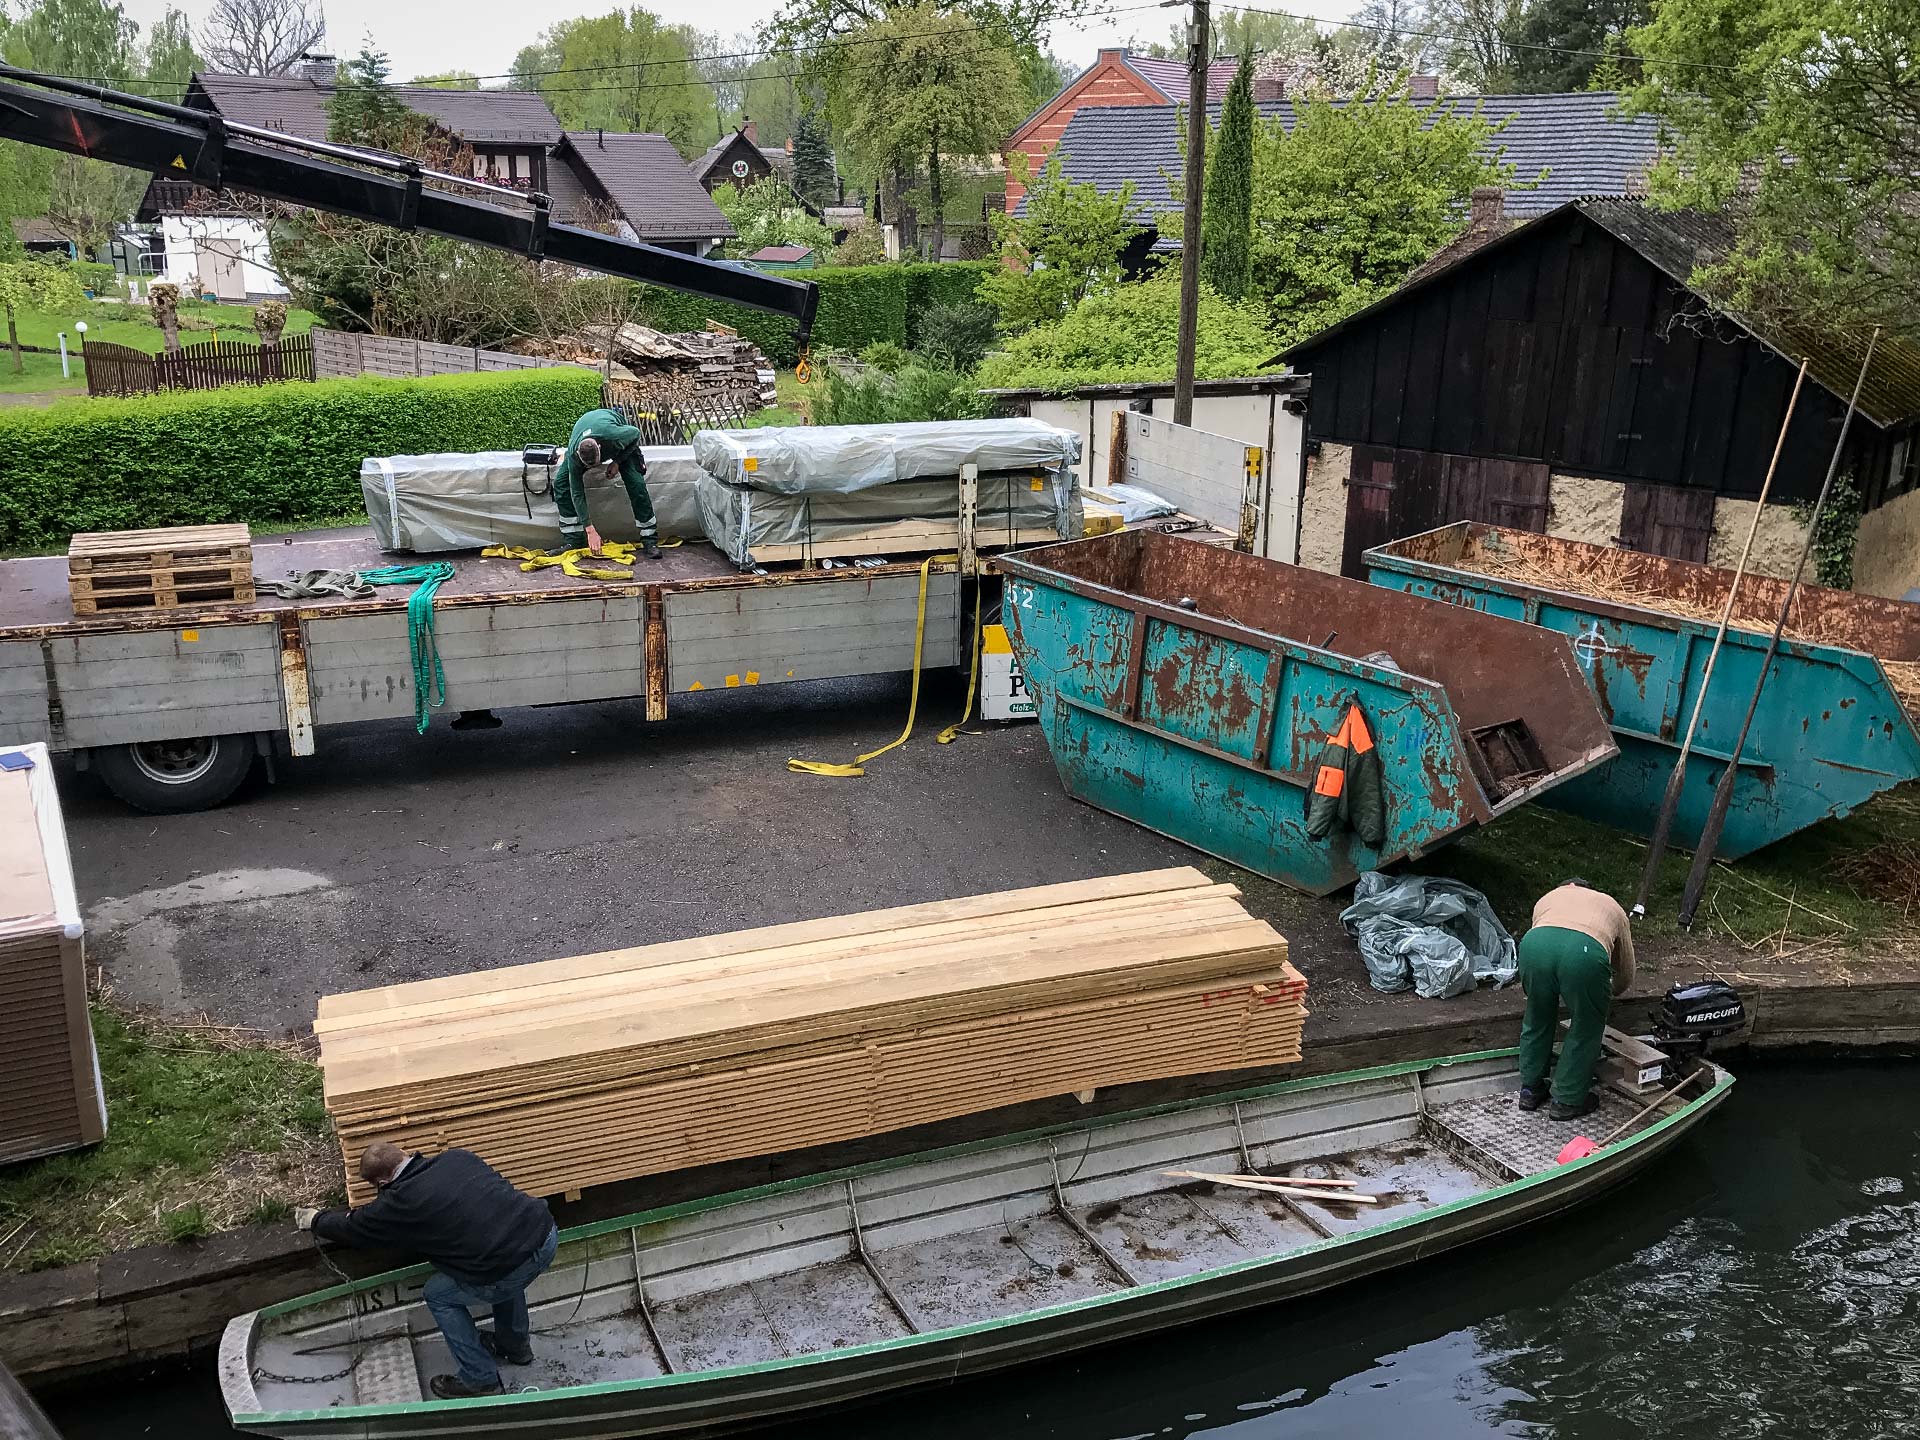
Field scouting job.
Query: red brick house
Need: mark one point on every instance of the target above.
(1115, 78)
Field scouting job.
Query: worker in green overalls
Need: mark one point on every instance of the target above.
(599, 439)
(1579, 950)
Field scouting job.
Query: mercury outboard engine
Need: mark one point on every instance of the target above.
(1691, 1017)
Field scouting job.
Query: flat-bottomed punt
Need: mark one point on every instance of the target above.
(757, 1306)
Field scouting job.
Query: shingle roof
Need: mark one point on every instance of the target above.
(645, 176)
(1679, 240)
(782, 254)
(1169, 77)
(298, 106)
(1585, 149)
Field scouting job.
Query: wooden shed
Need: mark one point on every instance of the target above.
(1564, 377)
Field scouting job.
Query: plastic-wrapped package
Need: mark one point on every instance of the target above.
(809, 459)
(1436, 936)
(1135, 503)
(425, 504)
(907, 517)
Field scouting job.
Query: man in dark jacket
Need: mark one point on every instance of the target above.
(487, 1241)
(601, 439)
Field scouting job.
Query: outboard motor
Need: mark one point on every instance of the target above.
(1691, 1017)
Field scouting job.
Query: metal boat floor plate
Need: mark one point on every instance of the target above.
(1525, 1141)
(823, 1307)
(1002, 1270)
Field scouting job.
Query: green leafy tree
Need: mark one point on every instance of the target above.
(90, 38)
(813, 177)
(920, 87)
(1130, 333)
(766, 213)
(1226, 219)
(36, 285)
(627, 70)
(1479, 54)
(170, 58)
(1066, 247)
(803, 24)
(1563, 44)
(864, 245)
(448, 80)
(1802, 122)
(1350, 200)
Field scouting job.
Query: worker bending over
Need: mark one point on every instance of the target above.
(487, 1241)
(601, 442)
(1580, 951)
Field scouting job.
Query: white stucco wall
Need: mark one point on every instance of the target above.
(1323, 508)
(185, 234)
(1582, 508)
(1886, 556)
(1776, 546)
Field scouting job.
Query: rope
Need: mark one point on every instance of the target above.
(856, 767)
(429, 676)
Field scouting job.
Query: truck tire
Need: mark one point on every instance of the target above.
(168, 777)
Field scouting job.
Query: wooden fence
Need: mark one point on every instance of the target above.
(204, 365)
(338, 353)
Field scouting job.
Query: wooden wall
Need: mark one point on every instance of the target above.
(1564, 346)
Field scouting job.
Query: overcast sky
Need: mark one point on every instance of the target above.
(425, 36)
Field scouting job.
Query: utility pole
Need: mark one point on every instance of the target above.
(1199, 33)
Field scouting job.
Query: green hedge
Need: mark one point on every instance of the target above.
(860, 305)
(266, 455)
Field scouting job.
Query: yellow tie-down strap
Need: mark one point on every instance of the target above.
(573, 562)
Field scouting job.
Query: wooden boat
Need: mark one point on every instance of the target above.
(766, 1303)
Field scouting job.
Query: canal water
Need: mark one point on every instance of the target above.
(1764, 1280)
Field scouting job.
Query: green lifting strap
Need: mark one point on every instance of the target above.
(429, 678)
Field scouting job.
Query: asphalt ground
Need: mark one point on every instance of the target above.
(390, 856)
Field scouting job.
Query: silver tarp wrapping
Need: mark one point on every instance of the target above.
(428, 503)
(811, 459)
(904, 518)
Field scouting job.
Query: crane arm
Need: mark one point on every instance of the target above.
(215, 153)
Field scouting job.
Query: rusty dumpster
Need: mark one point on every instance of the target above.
(1193, 690)
(1835, 725)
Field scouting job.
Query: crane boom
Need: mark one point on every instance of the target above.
(213, 152)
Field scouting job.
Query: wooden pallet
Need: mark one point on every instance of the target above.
(166, 569)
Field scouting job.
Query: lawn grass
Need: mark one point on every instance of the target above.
(132, 325)
(205, 1132)
(40, 375)
(1810, 874)
(794, 406)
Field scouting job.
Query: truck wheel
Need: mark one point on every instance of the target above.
(166, 777)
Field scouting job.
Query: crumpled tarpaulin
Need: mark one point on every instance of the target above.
(1436, 936)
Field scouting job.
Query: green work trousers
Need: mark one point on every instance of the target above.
(1557, 965)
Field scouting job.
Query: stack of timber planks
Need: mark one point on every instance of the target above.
(50, 1095)
(167, 569)
(584, 1071)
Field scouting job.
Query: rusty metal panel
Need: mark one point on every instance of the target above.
(1191, 689)
(1830, 733)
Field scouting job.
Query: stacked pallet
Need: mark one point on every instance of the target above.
(584, 1071)
(165, 569)
(50, 1097)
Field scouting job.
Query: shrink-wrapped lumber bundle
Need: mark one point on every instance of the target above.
(604, 1067)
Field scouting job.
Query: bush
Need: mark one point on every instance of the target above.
(860, 305)
(916, 392)
(100, 279)
(885, 356)
(864, 245)
(956, 335)
(266, 455)
(1131, 334)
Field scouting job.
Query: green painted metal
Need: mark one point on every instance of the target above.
(1830, 733)
(1191, 689)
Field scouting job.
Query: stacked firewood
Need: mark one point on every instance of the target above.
(711, 371)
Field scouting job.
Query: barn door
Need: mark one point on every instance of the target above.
(1512, 493)
(1668, 520)
(1369, 502)
(1395, 493)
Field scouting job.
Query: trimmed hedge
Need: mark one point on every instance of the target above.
(264, 455)
(860, 305)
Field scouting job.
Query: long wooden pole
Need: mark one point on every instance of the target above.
(1677, 781)
(1723, 792)
(1198, 42)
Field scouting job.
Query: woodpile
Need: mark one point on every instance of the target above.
(605, 1067)
(50, 1096)
(166, 569)
(711, 372)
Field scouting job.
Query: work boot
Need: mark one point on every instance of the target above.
(653, 551)
(516, 1357)
(1532, 1097)
(1586, 1105)
(452, 1387)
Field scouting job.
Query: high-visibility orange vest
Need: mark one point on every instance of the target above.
(1349, 786)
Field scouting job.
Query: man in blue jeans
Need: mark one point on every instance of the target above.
(487, 1241)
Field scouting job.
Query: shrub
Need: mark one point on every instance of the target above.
(189, 1222)
(266, 455)
(1131, 334)
(956, 335)
(864, 245)
(885, 356)
(916, 392)
(100, 279)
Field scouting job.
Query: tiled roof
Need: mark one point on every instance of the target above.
(1679, 240)
(782, 254)
(1585, 149)
(298, 106)
(1169, 77)
(645, 176)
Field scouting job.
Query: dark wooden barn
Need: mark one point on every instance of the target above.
(1573, 346)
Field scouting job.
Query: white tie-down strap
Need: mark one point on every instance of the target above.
(393, 505)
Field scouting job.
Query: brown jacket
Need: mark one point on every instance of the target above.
(1595, 913)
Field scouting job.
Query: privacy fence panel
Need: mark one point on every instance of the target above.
(339, 353)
